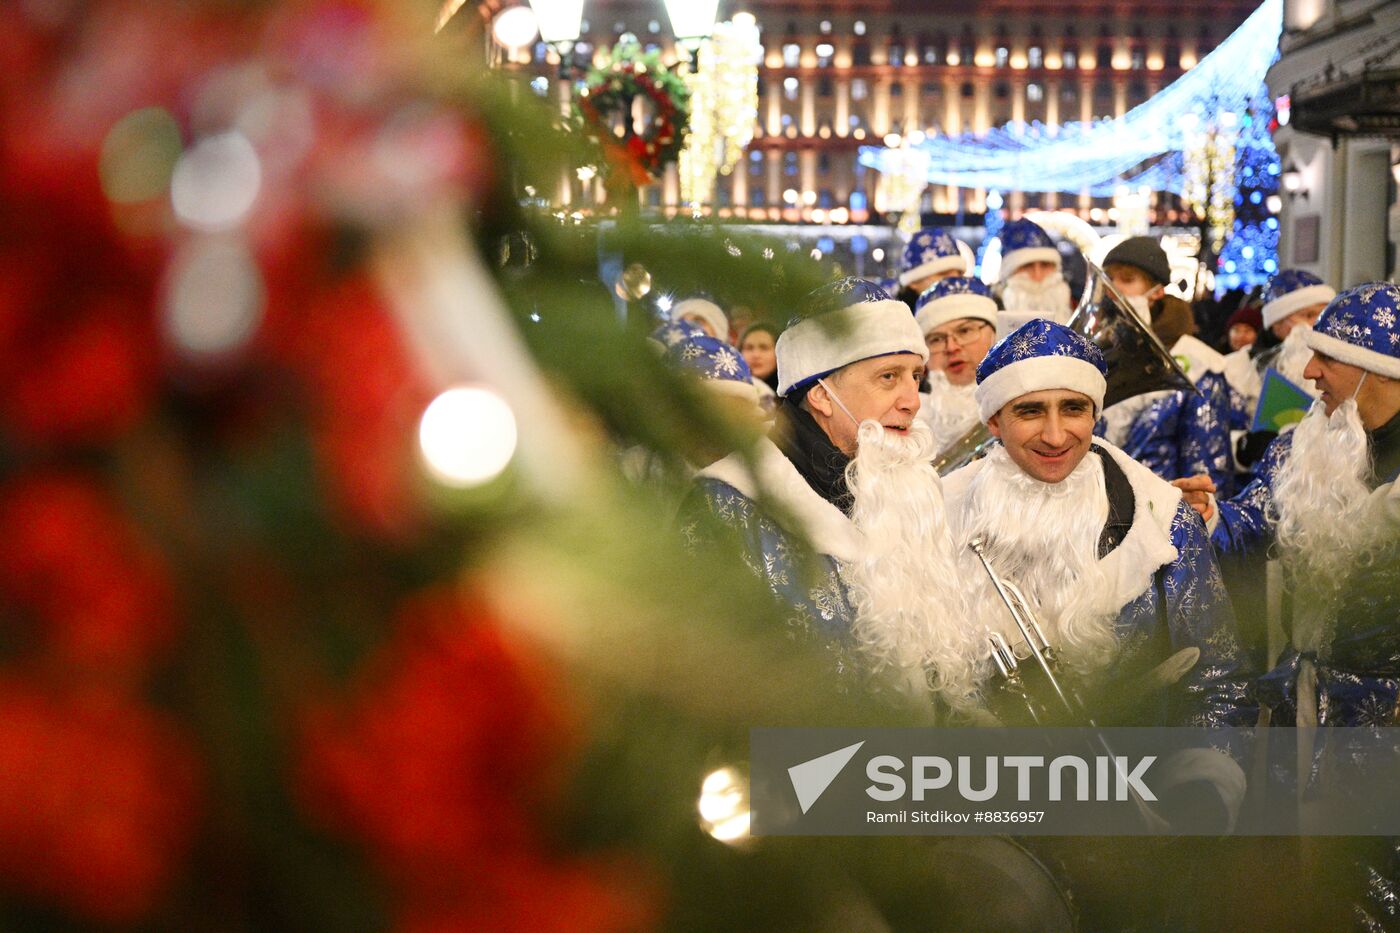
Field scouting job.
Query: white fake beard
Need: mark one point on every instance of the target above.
(1320, 498)
(1044, 538)
(909, 612)
(1049, 297)
(1293, 359)
(950, 411)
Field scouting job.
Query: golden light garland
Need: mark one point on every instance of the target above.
(1209, 185)
(724, 105)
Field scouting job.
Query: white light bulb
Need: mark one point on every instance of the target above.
(467, 436)
(516, 27)
(216, 182)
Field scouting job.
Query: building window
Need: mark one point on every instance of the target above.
(896, 89)
(1104, 56)
(967, 90)
(1034, 93)
(723, 194)
(1070, 58)
(792, 54)
(896, 54)
(859, 89)
(858, 27)
(1003, 55)
(1035, 57)
(824, 163)
(790, 88)
(789, 163)
(824, 52)
(1139, 59)
(787, 120)
(825, 199)
(825, 27)
(932, 49)
(757, 197)
(1002, 90)
(1069, 93)
(860, 52)
(967, 50)
(824, 86)
(1171, 56)
(931, 89)
(855, 121)
(755, 163)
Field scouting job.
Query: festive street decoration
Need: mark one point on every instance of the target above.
(1099, 156)
(723, 106)
(637, 110)
(1249, 256)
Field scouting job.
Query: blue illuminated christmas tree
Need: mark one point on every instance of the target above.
(1250, 254)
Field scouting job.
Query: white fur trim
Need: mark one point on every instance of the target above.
(1017, 258)
(1352, 355)
(955, 307)
(1130, 566)
(825, 343)
(707, 311)
(1036, 374)
(1206, 764)
(1200, 357)
(941, 264)
(742, 390)
(823, 524)
(1243, 375)
(1296, 300)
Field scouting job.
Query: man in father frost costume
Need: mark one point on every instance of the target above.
(849, 470)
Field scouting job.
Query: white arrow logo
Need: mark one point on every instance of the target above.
(811, 778)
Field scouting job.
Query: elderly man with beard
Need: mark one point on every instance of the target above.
(1326, 492)
(848, 471)
(1031, 277)
(958, 317)
(1114, 563)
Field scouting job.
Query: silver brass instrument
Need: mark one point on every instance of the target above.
(1137, 361)
(1007, 665)
(1029, 627)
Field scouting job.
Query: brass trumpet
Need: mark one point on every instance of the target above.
(1137, 361)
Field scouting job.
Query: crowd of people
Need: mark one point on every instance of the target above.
(1114, 520)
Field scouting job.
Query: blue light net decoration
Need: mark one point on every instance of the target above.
(1250, 255)
(1142, 147)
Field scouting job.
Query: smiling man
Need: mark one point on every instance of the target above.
(1115, 564)
(849, 471)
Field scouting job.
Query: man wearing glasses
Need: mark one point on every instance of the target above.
(958, 317)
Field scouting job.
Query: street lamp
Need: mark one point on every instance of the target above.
(692, 21)
(559, 21)
(1292, 180)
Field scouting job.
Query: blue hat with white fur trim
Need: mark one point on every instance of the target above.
(1039, 355)
(1293, 290)
(931, 251)
(953, 299)
(1359, 327)
(842, 323)
(1024, 241)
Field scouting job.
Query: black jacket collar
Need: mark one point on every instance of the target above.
(821, 464)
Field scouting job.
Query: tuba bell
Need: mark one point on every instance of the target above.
(1137, 361)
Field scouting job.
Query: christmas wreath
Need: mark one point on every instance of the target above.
(605, 105)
